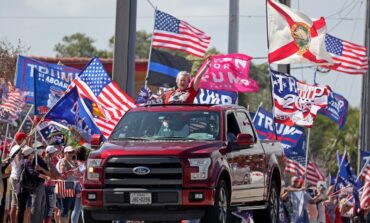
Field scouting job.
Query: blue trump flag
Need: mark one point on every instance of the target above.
(337, 109)
(73, 111)
(346, 171)
(54, 75)
(206, 96)
(289, 136)
(46, 94)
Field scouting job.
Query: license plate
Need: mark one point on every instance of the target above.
(140, 198)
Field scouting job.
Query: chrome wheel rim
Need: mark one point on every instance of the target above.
(273, 206)
(222, 205)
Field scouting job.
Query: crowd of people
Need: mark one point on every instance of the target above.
(43, 182)
(319, 204)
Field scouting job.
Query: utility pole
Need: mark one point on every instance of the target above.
(365, 108)
(284, 68)
(233, 26)
(124, 46)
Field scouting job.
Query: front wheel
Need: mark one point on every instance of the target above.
(271, 213)
(220, 212)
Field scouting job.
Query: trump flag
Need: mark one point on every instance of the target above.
(295, 102)
(289, 136)
(229, 72)
(337, 109)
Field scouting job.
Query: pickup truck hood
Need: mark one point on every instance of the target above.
(172, 148)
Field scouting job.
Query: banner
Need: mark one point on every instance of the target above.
(46, 94)
(289, 136)
(295, 102)
(54, 75)
(337, 109)
(228, 72)
(206, 96)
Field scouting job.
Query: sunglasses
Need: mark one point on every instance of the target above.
(70, 152)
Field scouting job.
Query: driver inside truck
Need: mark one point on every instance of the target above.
(173, 127)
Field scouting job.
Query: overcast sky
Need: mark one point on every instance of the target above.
(40, 24)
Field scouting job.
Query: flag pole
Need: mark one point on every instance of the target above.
(259, 106)
(341, 162)
(150, 51)
(5, 144)
(271, 84)
(307, 153)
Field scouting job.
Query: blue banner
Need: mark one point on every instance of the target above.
(54, 75)
(206, 96)
(337, 109)
(289, 136)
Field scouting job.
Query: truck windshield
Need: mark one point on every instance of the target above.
(193, 125)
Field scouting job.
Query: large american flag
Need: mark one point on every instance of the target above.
(172, 33)
(351, 57)
(94, 83)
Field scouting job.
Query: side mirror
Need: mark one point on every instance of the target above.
(96, 140)
(244, 139)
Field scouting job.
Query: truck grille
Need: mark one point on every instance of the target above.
(165, 172)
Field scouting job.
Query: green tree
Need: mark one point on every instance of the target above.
(78, 45)
(260, 74)
(327, 138)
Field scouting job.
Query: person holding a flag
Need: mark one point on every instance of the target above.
(187, 88)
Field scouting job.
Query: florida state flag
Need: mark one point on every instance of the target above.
(294, 37)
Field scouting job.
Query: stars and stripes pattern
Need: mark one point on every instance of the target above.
(314, 174)
(350, 57)
(365, 196)
(65, 188)
(13, 103)
(294, 167)
(365, 173)
(172, 33)
(112, 103)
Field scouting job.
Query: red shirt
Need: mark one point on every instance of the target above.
(181, 96)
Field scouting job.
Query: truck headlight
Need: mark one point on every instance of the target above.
(203, 166)
(93, 165)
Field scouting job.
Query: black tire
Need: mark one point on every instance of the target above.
(88, 218)
(271, 213)
(220, 212)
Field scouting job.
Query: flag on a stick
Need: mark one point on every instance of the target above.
(295, 102)
(172, 33)
(350, 57)
(164, 67)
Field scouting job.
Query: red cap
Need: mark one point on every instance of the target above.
(300, 182)
(20, 136)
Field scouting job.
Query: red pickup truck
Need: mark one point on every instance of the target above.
(174, 162)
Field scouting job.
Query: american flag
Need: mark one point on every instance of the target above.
(94, 83)
(172, 33)
(365, 172)
(314, 174)
(65, 188)
(365, 196)
(350, 57)
(294, 167)
(13, 103)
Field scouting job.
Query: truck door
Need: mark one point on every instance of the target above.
(248, 163)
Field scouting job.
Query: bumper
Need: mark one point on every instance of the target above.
(146, 213)
(120, 198)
